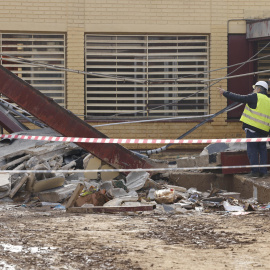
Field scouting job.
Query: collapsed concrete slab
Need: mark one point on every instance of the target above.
(57, 194)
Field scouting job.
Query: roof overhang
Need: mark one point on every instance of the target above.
(258, 29)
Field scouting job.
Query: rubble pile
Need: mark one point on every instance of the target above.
(104, 191)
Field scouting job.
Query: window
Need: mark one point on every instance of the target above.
(157, 62)
(41, 48)
(263, 64)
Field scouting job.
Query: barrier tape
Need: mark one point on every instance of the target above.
(131, 141)
(135, 170)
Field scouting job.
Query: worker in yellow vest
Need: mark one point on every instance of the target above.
(256, 123)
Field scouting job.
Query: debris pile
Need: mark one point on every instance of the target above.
(98, 192)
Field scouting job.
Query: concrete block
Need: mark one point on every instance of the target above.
(186, 162)
(202, 161)
(5, 185)
(57, 194)
(91, 163)
(46, 184)
(114, 202)
(249, 188)
(105, 176)
(202, 181)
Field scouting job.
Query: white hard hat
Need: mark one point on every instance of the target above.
(261, 83)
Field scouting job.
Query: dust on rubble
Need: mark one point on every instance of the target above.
(58, 240)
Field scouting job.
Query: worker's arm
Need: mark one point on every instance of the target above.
(250, 99)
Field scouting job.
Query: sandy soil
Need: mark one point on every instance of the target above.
(39, 239)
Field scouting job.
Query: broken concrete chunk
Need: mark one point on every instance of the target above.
(116, 192)
(46, 184)
(132, 204)
(106, 185)
(114, 202)
(131, 196)
(185, 162)
(91, 163)
(32, 162)
(136, 180)
(151, 194)
(5, 185)
(86, 205)
(149, 183)
(199, 161)
(105, 176)
(37, 176)
(69, 165)
(56, 162)
(56, 195)
(50, 149)
(87, 185)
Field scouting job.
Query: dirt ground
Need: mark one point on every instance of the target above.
(53, 239)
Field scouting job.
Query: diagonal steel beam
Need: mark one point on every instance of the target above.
(65, 122)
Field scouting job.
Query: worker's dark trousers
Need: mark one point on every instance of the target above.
(257, 152)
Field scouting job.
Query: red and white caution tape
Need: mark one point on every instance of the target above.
(130, 141)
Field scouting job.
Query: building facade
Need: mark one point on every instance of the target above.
(145, 60)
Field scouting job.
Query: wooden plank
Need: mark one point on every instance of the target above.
(74, 196)
(110, 209)
(15, 162)
(18, 185)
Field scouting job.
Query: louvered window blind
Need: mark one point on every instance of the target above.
(264, 63)
(41, 48)
(151, 59)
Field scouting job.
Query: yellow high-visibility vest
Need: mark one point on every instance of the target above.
(259, 117)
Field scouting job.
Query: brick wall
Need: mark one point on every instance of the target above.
(77, 17)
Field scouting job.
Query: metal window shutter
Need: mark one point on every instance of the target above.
(44, 48)
(146, 57)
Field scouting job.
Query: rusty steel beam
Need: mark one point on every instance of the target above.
(110, 209)
(65, 122)
(9, 122)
